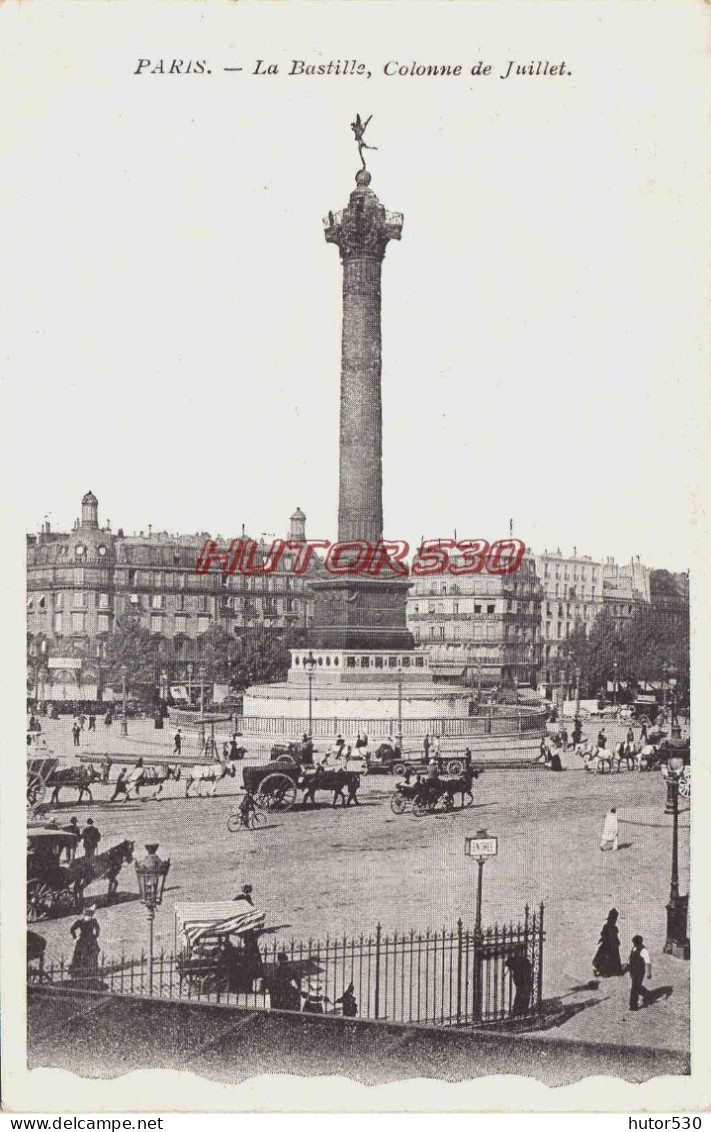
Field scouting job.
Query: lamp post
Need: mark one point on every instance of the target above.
(665, 678)
(481, 847)
(577, 691)
(399, 706)
(677, 941)
(151, 873)
(615, 666)
(190, 684)
(309, 665)
(124, 718)
(478, 680)
(202, 705)
(561, 696)
(99, 658)
(675, 728)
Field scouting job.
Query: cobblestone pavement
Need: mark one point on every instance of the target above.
(342, 871)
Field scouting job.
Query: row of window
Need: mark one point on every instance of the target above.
(157, 579)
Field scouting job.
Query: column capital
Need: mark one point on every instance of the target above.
(364, 227)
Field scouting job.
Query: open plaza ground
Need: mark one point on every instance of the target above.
(326, 871)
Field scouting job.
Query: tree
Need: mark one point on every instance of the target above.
(133, 645)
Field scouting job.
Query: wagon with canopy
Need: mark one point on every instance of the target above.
(50, 885)
(216, 946)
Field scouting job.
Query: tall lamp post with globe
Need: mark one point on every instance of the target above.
(124, 717)
(151, 873)
(309, 665)
(677, 941)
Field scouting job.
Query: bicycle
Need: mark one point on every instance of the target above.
(255, 819)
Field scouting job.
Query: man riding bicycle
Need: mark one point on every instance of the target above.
(247, 807)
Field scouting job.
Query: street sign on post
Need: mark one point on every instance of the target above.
(481, 847)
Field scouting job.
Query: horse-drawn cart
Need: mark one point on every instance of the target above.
(39, 772)
(50, 886)
(389, 759)
(208, 961)
(275, 785)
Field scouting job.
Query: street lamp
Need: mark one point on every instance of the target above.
(577, 691)
(190, 684)
(151, 873)
(675, 728)
(399, 705)
(677, 941)
(309, 665)
(615, 666)
(99, 658)
(124, 719)
(202, 705)
(665, 680)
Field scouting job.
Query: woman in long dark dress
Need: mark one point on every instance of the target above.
(85, 960)
(606, 960)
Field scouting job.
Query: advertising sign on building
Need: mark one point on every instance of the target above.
(64, 662)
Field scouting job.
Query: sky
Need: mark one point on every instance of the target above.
(174, 330)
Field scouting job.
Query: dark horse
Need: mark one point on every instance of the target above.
(462, 784)
(73, 777)
(86, 870)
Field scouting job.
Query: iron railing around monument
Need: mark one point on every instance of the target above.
(455, 977)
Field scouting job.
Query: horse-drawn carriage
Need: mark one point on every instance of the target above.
(54, 887)
(50, 885)
(426, 794)
(275, 785)
(208, 961)
(388, 758)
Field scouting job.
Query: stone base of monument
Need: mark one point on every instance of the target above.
(382, 694)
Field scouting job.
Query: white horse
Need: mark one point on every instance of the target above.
(211, 773)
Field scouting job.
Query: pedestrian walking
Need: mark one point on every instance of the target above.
(643, 734)
(426, 746)
(435, 747)
(108, 718)
(348, 1002)
(284, 986)
(577, 731)
(602, 738)
(71, 848)
(245, 894)
(234, 753)
(92, 723)
(609, 831)
(177, 742)
(353, 788)
(81, 721)
(105, 766)
(76, 732)
(314, 997)
(606, 960)
(120, 786)
(640, 965)
(85, 960)
(521, 970)
(90, 838)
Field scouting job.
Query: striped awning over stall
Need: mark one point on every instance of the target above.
(216, 917)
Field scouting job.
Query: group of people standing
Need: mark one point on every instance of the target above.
(89, 837)
(607, 962)
(79, 722)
